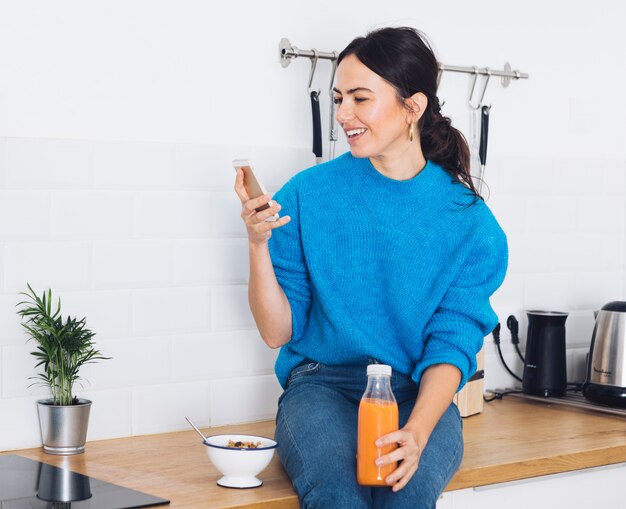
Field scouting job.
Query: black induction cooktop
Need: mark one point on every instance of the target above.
(29, 484)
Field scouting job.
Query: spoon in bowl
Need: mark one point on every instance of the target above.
(197, 430)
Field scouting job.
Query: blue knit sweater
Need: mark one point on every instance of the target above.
(399, 271)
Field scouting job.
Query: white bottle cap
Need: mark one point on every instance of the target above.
(378, 369)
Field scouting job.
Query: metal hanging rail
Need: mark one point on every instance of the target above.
(507, 74)
(288, 51)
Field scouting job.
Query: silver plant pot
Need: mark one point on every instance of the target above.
(63, 428)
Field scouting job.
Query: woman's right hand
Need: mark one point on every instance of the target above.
(259, 230)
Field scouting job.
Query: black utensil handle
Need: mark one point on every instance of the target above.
(317, 124)
(484, 133)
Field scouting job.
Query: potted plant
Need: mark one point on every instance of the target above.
(62, 349)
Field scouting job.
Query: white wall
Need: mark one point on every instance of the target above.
(118, 122)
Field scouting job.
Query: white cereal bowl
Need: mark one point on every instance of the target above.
(239, 467)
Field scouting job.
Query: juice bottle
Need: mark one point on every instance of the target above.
(378, 415)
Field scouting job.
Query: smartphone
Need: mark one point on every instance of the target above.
(252, 184)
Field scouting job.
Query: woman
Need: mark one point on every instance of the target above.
(386, 254)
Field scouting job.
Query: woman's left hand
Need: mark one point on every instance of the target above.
(408, 454)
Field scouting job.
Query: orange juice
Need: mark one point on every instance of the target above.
(377, 417)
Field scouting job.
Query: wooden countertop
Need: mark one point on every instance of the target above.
(510, 440)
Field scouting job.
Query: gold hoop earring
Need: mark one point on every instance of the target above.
(411, 132)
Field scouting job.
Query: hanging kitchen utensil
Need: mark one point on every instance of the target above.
(315, 110)
(470, 100)
(482, 150)
(317, 126)
(332, 128)
(474, 143)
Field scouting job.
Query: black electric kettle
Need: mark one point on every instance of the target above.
(545, 369)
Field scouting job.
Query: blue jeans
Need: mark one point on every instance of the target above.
(316, 429)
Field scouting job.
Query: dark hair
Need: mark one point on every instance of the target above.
(403, 57)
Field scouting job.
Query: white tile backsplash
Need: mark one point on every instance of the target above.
(133, 165)
(226, 216)
(92, 214)
(230, 309)
(614, 177)
(52, 164)
(551, 214)
(11, 332)
(19, 426)
(579, 177)
(276, 165)
(173, 310)
(243, 399)
(161, 408)
(550, 291)
(3, 163)
(210, 355)
(109, 313)
(133, 263)
(133, 361)
(25, 215)
(2, 259)
(173, 214)
(510, 211)
(211, 260)
(110, 414)
(527, 176)
(594, 289)
(19, 375)
(508, 299)
(56, 265)
(230, 262)
(203, 167)
(529, 253)
(601, 214)
(260, 356)
(145, 239)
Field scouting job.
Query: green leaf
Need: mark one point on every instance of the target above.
(62, 348)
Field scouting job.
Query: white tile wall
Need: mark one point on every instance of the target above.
(210, 355)
(145, 240)
(19, 424)
(160, 408)
(11, 332)
(50, 164)
(92, 214)
(134, 361)
(110, 414)
(25, 215)
(244, 399)
(133, 263)
(171, 310)
(229, 308)
(19, 373)
(3, 163)
(109, 312)
(173, 214)
(133, 165)
(2, 258)
(207, 167)
(226, 216)
(60, 265)
(211, 261)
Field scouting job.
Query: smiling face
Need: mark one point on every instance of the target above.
(375, 122)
